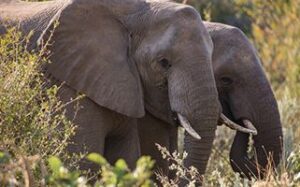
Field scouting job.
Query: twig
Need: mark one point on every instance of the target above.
(28, 175)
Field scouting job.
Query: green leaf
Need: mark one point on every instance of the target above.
(55, 164)
(121, 164)
(4, 158)
(96, 158)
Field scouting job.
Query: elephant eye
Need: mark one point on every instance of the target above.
(226, 81)
(165, 63)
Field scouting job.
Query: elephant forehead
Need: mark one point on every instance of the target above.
(157, 41)
(235, 54)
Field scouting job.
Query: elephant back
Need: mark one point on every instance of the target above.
(14, 13)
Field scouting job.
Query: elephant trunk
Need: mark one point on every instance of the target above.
(201, 112)
(267, 143)
(199, 150)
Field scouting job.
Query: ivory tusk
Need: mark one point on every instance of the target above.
(249, 126)
(187, 126)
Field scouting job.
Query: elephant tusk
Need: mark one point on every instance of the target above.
(249, 126)
(187, 126)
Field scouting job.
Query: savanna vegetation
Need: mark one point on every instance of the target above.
(31, 115)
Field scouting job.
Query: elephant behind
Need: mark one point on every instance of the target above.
(246, 98)
(126, 56)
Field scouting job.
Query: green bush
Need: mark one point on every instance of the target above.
(57, 175)
(32, 119)
(120, 175)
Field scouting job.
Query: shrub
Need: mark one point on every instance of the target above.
(120, 175)
(32, 120)
(56, 174)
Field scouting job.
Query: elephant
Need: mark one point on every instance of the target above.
(246, 98)
(125, 56)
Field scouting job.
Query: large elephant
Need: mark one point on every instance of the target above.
(125, 56)
(246, 98)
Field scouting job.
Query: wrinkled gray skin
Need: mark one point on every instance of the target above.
(126, 56)
(244, 93)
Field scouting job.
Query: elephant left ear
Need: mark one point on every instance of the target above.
(90, 53)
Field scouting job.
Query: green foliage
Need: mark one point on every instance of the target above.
(4, 158)
(223, 11)
(32, 121)
(294, 163)
(61, 176)
(56, 174)
(120, 175)
(275, 34)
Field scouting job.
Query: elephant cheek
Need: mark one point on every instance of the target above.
(157, 103)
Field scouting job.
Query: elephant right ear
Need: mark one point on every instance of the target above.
(90, 54)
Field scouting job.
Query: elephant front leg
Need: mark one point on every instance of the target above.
(152, 131)
(123, 142)
(91, 126)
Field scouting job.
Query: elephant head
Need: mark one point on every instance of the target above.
(246, 98)
(132, 55)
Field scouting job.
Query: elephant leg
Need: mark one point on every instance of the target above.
(93, 123)
(173, 139)
(153, 130)
(123, 142)
(100, 130)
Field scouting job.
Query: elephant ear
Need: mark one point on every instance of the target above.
(90, 54)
